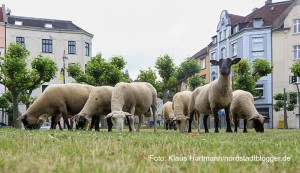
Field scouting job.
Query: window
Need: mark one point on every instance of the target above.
(260, 90)
(257, 44)
(258, 22)
(234, 49)
(203, 76)
(296, 52)
(297, 26)
(213, 56)
(20, 40)
(202, 61)
(220, 36)
(235, 29)
(48, 25)
(71, 47)
(223, 52)
(214, 40)
(224, 34)
(87, 49)
(19, 23)
(46, 45)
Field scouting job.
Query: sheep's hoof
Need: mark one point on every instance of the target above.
(216, 131)
(206, 131)
(229, 130)
(245, 131)
(235, 131)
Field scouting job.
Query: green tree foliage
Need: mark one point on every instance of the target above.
(195, 81)
(18, 79)
(246, 80)
(279, 101)
(295, 68)
(99, 71)
(187, 68)
(243, 78)
(148, 76)
(126, 77)
(166, 68)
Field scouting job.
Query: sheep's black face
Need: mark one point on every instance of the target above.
(81, 121)
(258, 126)
(225, 64)
(182, 123)
(27, 125)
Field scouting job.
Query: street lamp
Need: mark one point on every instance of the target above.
(64, 75)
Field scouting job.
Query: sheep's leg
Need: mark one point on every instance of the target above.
(131, 120)
(109, 124)
(154, 116)
(190, 121)
(53, 123)
(216, 116)
(205, 123)
(245, 126)
(167, 125)
(236, 122)
(97, 121)
(198, 121)
(140, 122)
(228, 129)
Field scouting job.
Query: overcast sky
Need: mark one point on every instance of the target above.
(140, 30)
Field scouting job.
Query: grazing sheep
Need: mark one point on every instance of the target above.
(212, 97)
(135, 98)
(99, 102)
(57, 99)
(168, 114)
(242, 107)
(180, 106)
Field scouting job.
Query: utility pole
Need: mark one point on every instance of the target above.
(284, 109)
(293, 80)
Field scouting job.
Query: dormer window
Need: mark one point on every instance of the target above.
(258, 22)
(19, 23)
(214, 40)
(235, 29)
(48, 25)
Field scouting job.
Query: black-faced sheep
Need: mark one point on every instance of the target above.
(242, 107)
(168, 115)
(212, 97)
(135, 98)
(180, 106)
(99, 102)
(57, 99)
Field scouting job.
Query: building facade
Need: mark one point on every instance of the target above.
(51, 38)
(249, 37)
(286, 50)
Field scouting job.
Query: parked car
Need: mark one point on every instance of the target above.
(46, 126)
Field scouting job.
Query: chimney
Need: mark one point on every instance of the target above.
(254, 9)
(268, 2)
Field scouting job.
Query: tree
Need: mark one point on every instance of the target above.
(279, 97)
(148, 76)
(187, 68)
(195, 81)
(295, 68)
(246, 80)
(99, 72)
(126, 77)
(166, 68)
(20, 80)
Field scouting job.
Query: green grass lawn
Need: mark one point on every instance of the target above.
(164, 151)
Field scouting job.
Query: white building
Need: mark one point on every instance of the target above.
(50, 38)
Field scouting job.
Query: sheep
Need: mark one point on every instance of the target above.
(56, 100)
(213, 97)
(168, 115)
(129, 99)
(242, 107)
(99, 102)
(180, 106)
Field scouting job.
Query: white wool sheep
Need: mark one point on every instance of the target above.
(242, 107)
(212, 97)
(168, 115)
(99, 102)
(135, 98)
(180, 106)
(57, 99)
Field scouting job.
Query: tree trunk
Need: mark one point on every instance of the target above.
(15, 109)
(165, 96)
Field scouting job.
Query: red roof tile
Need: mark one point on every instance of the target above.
(236, 19)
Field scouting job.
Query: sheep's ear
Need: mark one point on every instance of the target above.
(23, 117)
(236, 60)
(174, 119)
(187, 117)
(127, 114)
(266, 117)
(214, 62)
(110, 114)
